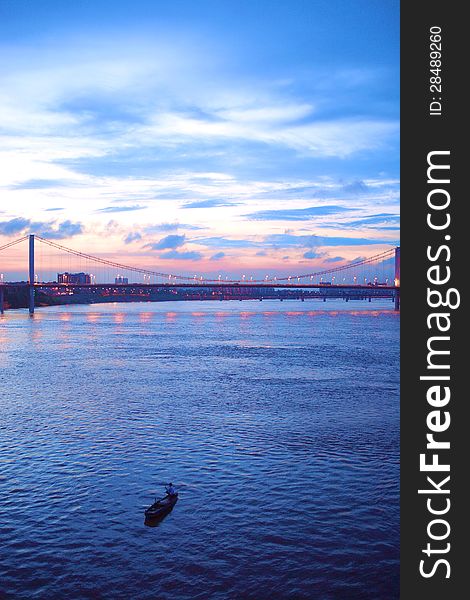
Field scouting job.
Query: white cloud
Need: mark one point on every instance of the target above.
(339, 138)
(266, 113)
(171, 98)
(64, 109)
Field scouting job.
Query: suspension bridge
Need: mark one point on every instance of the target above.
(375, 276)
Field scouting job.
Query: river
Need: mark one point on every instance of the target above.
(277, 421)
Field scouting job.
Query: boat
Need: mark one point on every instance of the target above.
(161, 507)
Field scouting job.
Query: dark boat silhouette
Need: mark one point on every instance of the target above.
(161, 507)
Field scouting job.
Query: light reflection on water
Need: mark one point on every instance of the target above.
(277, 421)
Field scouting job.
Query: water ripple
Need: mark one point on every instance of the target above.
(280, 428)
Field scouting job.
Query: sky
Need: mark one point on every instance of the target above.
(247, 136)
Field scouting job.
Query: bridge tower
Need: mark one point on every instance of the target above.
(31, 274)
(397, 278)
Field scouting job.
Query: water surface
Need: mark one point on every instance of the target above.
(278, 422)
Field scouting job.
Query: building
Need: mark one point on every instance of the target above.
(120, 279)
(77, 278)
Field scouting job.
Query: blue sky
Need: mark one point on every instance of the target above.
(202, 135)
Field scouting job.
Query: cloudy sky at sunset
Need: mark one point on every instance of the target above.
(202, 136)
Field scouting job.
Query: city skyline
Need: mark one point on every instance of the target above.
(264, 139)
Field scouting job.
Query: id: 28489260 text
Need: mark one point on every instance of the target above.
(435, 64)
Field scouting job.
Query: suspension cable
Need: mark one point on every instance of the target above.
(25, 237)
(377, 257)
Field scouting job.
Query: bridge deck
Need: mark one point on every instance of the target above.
(215, 285)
